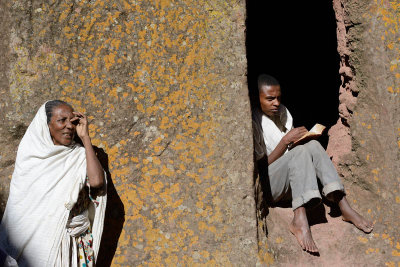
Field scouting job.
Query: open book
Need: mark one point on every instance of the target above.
(315, 132)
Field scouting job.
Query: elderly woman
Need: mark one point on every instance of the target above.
(51, 217)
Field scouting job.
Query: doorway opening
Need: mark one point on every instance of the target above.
(296, 43)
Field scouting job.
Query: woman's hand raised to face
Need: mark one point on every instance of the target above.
(95, 171)
(82, 125)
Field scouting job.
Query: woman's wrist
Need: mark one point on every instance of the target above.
(86, 140)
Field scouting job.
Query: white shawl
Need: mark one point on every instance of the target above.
(271, 132)
(45, 186)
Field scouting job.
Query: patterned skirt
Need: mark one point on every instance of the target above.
(85, 249)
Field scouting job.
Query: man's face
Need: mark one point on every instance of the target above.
(270, 99)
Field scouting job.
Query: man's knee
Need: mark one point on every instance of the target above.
(314, 145)
(300, 151)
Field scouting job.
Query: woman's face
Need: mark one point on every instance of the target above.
(62, 131)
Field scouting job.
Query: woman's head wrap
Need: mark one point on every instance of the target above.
(45, 185)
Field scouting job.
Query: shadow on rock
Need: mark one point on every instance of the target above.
(316, 215)
(262, 194)
(114, 217)
(3, 202)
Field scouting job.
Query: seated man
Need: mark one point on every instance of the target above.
(293, 173)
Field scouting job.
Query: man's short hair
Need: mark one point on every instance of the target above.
(266, 80)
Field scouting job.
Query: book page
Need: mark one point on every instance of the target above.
(315, 131)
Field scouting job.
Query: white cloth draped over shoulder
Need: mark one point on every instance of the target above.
(45, 186)
(271, 132)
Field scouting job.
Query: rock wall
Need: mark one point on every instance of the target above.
(163, 83)
(365, 143)
(370, 56)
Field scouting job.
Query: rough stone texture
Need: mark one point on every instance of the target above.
(163, 83)
(364, 144)
(373, 163)
(375, 126)
(8, 139)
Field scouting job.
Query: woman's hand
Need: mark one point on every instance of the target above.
(94, 169)
(82, 125)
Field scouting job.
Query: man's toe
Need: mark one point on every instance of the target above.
(313, 248)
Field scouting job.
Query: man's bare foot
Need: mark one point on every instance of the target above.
(301, 230)
(350, 215)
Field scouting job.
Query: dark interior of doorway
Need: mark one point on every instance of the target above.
(295, 41)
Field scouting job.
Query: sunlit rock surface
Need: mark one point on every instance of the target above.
(164, 85)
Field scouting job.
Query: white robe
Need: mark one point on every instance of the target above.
(45, 186)
(271, 132)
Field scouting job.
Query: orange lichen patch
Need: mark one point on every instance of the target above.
(125, 239)
(93, 99)
(115, 43)
(146, 73)
(395, 253)
(203, 226)
(384, 236)
(109, 60)
(263, 254)
(372, 250)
